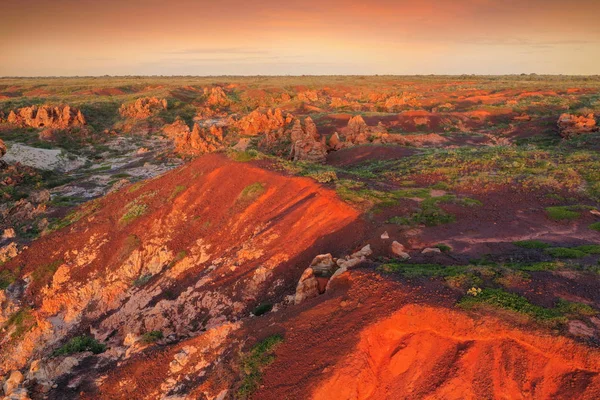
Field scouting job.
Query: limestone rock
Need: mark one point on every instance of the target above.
(399, 250)
(143, 108)
(431, 251)
(308, 286)
(216, 97)
(335, 143)
(323, 265)
(8, 252)
(45, 116)
(572, 125)
(306, 145)
(2, 148)
(385, 236)
(256, 122)
(358, 132)
(13, 381)
(198, 141)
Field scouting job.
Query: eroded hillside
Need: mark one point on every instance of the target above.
(305, 238)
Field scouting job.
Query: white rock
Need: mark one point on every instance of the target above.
(431, 250)
(385, 235)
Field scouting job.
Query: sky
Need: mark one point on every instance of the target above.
(288, 37)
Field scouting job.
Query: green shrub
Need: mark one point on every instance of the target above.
(575, 309)
(254, 362)
(262, 309)
(443, 247)
(532, 244)
(133, 210)
(562, 213)
(595, 226)
(562, 252)
(80, 344)
(6, 278)
(512, 302)
(142, 280)
(23, 321)
(151, 337)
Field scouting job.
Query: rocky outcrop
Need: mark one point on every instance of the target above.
(216, 97)
(143, 108)
(58, 117)
(257, 122)
(572, 125)
(197, 141)
(308, 96)
(327, 268)
(2, 148)
(358, 132)
(307, 145)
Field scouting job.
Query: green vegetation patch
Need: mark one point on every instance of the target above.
(79, 344)
(562, 213)
(262, 309)
(595, 226)
(23, 321)
(151, 337)
(512, 302)
(254, 362)
(44, 273)
(251, 192)
(532, 244)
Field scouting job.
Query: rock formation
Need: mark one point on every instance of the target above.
(197, 141)
(256, 122)
(306, 142)
(308, 96)
(2, 148)
(216, 97)
(572, 125)
(59, 117)
(358, 132)
(143, 108)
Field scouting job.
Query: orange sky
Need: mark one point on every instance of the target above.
(248, 37)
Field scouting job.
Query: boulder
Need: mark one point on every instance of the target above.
(358, 132)
(398, 250)
(2, 148)
(14, 380)
(308, 286)
(335, 143)
(572, 125)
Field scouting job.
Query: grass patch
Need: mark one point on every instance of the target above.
(151, 337)
(595, 226)
(512, 302)
(251, 192)
(562, 213)
(562, 252)
(245, 156)
(6, 279)
(177, 191)
(254, 362)
(142, 280)
(133, 210)
(575, 310)
(532, 244)
(44, 273)
(23, 321)
(79, 344)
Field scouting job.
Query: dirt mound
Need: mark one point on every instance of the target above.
(143, 108)
(423, 352)
(59, 117)
(183, 253)
(573, 125)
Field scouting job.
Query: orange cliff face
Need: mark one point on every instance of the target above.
(421, 352)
